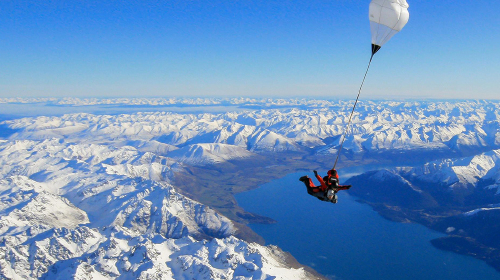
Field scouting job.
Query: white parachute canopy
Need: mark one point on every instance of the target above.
(387, 17)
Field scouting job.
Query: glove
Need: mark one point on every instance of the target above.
(315, 172)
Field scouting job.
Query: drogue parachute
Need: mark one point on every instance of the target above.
(387, 17)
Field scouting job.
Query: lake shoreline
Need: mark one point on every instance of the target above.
(458, 244)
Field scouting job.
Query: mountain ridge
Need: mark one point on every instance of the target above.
(132, 182)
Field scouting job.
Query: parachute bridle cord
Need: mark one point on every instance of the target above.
(374, 50)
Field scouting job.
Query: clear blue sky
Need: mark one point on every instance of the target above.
(448, 49)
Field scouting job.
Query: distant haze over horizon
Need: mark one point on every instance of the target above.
(214, 99)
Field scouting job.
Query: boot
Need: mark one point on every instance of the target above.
(304, 179)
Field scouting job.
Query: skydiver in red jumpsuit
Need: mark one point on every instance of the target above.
(329, 186)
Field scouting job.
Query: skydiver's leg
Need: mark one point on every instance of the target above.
(309, 184)
(307, 181)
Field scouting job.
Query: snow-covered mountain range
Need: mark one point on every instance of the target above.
(82, 210)
(460, 173)
(469, 181)
(290, 126)
(92, 195)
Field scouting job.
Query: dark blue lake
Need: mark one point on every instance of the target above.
(349, 240)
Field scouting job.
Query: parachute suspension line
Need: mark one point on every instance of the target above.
(353, 107)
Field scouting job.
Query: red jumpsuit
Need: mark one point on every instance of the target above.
(321, 188)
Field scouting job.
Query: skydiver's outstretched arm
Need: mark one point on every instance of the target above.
(345, 187)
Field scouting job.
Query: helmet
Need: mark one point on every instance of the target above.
(330, 194)
(332, 172)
